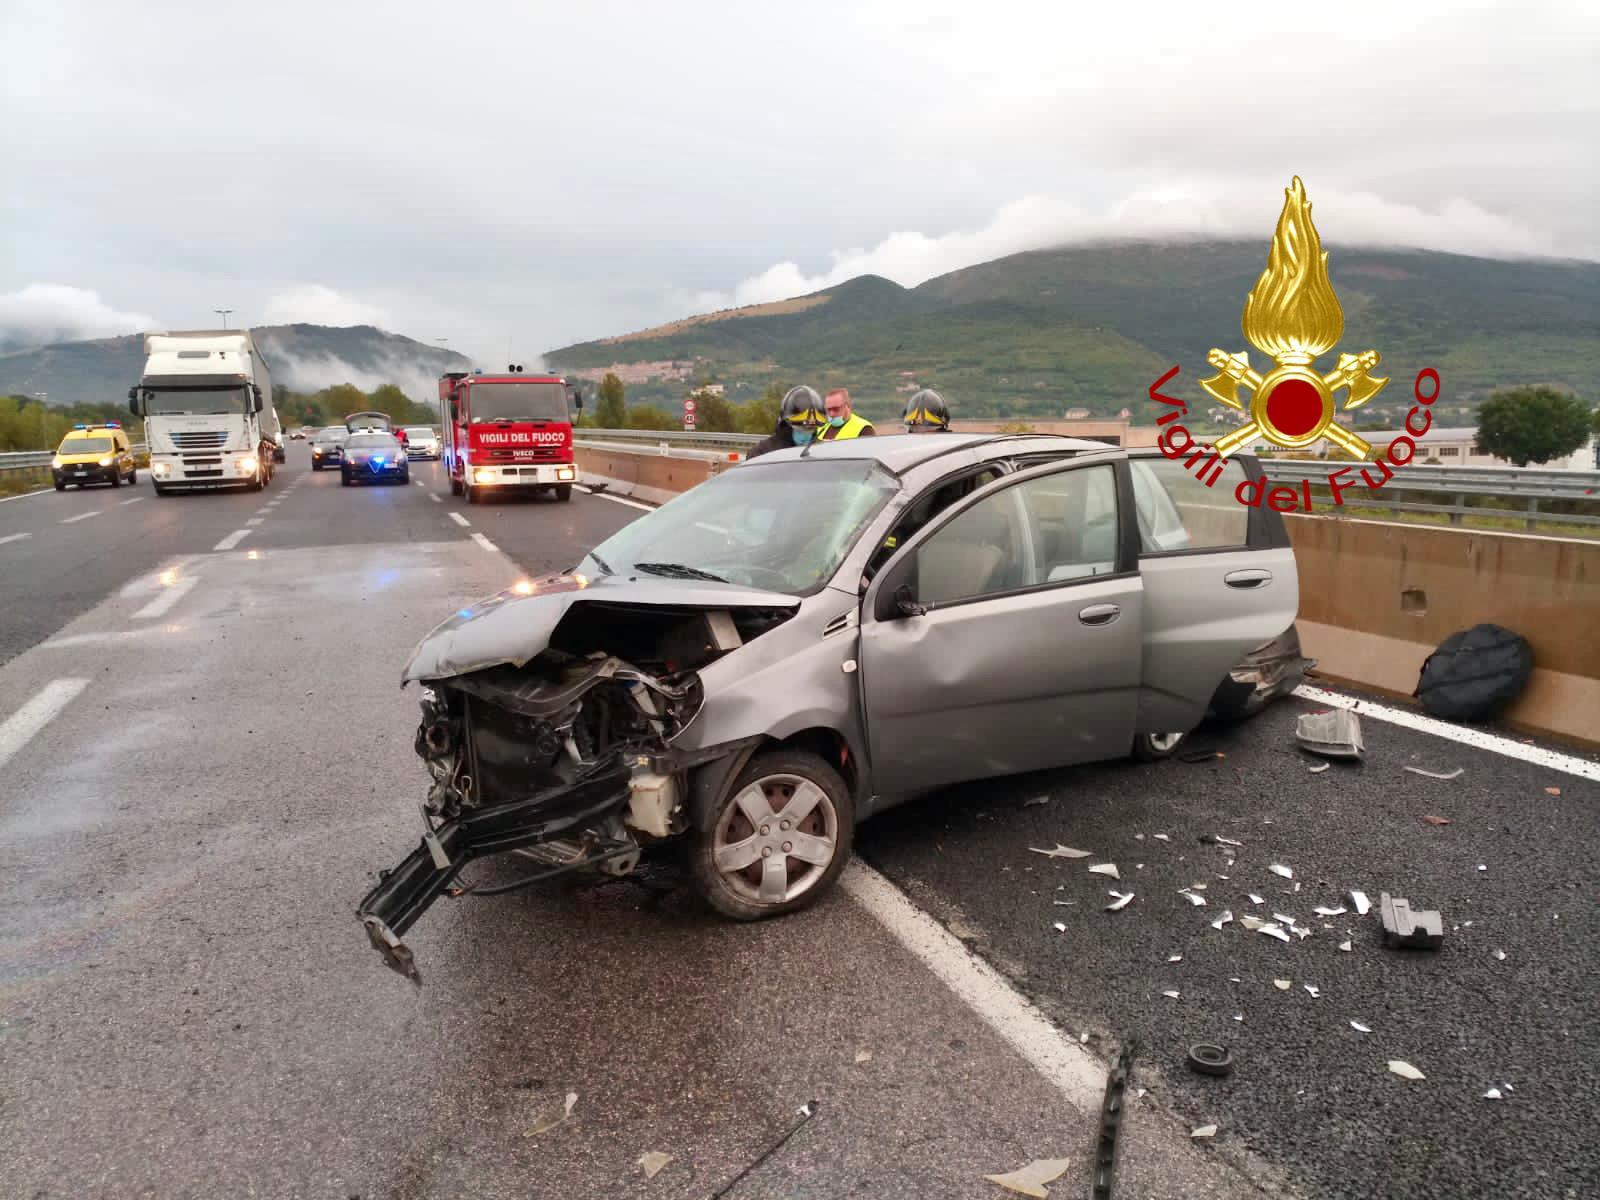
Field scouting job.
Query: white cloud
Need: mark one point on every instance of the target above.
(417, 379)
(314, 304)
(42, 313)
(1197, 209)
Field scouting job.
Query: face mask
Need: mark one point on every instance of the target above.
(801, 436)
(836, 422)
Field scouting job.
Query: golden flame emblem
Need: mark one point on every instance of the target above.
(1294, 316)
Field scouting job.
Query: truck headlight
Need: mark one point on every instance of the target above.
(249, 463)
(565, 473)
(161, 468)
(483, 475)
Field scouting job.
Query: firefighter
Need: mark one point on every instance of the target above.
(799, 417)
(926, 412)
(842, 423)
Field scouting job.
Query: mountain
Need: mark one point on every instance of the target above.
(1037, 333)
(302, 357)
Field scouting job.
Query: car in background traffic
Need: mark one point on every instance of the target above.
(420, 441)
(374, 457)
(94, 454)
(811, 638)
(327, 447)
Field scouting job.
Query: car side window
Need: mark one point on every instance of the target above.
(1075, 523)
(924, 508)
(1177, 511)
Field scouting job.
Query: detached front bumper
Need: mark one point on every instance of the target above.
(408, 890)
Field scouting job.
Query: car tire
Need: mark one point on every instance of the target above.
(455, 486)
(116, 479)
(315, 465)
(777, 779)
(563, 492)
(474, 495)
(344, 479)
(1153, 747)
(405, 478)
(133, 476)
(60, 487)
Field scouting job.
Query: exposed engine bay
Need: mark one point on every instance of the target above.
(565, 759)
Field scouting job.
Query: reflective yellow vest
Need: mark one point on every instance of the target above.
(852, 427)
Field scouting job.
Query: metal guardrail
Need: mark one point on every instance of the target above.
(17, 460)
(1454, 486)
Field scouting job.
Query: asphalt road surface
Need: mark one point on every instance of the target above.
(205, 758)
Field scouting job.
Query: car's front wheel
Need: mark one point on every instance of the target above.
(1152, 747)
(779, 839)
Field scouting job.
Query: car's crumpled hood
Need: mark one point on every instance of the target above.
(513, 628)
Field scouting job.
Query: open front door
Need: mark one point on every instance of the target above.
(1006, 635)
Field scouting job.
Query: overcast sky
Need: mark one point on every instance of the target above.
(520, 175)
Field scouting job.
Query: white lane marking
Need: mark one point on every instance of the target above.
(1455, 733)
(27, 495)
(460, 520)
(432, 497)
(421, 484)
(135, 500)
(36, 714)
(264, 510)
(14, 537)
(168, 597)
(485, 542)
(615, 499)
(1060, 1059)
(82, 517)
(232, 540)
(254, 521)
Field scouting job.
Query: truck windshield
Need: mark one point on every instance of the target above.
(518, 402)
(163, 402)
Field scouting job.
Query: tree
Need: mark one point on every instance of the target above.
(713, 413)
(761, 414)
(612, 410)
(648, 416)
(1016, 427)
(1532, 424)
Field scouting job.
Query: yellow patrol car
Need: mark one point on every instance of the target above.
(94, 454)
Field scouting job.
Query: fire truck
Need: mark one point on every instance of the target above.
(510, 431)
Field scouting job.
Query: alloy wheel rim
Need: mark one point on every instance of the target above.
(1164, 741)
(775, 840)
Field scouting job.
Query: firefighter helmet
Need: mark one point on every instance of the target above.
(926, 410)
(803, 409)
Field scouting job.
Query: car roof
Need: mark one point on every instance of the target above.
(901, 452)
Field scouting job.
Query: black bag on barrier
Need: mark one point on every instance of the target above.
(1475, 673)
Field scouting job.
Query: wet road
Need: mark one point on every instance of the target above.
(207, 767)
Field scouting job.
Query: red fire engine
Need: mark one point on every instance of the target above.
(508, 431)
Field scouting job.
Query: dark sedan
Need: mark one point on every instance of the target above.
(374, 458)
(327, 447)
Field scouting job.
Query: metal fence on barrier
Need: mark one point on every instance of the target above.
(17, 460)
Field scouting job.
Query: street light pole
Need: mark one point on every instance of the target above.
(223, 313)
(44, 432)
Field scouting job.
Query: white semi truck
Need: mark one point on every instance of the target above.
(206, 400)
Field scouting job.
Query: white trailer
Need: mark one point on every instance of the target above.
(206, 400)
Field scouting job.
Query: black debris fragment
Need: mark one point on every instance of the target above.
(1475, 673)
(1207, 1058)
(1405, 928)
(1105, 1151)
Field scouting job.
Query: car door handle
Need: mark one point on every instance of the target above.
(1099, 614)
(1247, 579)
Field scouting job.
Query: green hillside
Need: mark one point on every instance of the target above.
(301, 357)
(1038, 333)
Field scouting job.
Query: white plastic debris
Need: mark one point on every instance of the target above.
(1030, 1180)
(1255, 899)
(1226, 916)
(1404, 1069)
(1483, 867)
(1105, 869)
(1238, 1016)
(1060, 928)
(1197, 887)
(1324, 911)
(553, 1116)
(1345, 946)
(1436, 774)
(1223, 841)
(1359, 1027)
(1274, 931)
(1061, 851)
(1283, 985)
(1197, 901)
(1138, 837)
(1363, 905)
(1280, 869)
(1065, 903)
(1161, 837)
(653, 1162)
(1172, 958)
(1318, 769)
(1283, 920)
(1083, 1038)
(1120, 902)
(1336, 733)
(1315, 992)
(1170, 995)
(1205, 1131)
(863, 1056)
(1036, 801)
(1251, 923)
(1500, 955)
(1297, 885)
(1493, 1094)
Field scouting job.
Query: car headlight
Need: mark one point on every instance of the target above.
(316, 451)
(56, 462)
(106, 461)
(249, 463)
(483, 475)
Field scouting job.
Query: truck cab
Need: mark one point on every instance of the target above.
(508, 432)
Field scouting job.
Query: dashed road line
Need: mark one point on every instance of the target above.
(169, 596)
(81, 517)
(14, 537)
(615, 499)
(264, 510)
(433, 497)
(1537, 755)
(460, 520)
(135, 500)
(232, 540)
(1061, 1060)
(33, 716)
(254, 521)
(485, 543)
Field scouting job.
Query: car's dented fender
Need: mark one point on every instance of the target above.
(778, 686)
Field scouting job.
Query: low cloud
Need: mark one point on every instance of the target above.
(416, 377)
(1195, 210)
(42, 313)
(314, 304)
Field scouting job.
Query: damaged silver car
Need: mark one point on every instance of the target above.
(814, 636)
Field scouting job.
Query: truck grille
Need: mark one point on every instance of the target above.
(203, 440)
